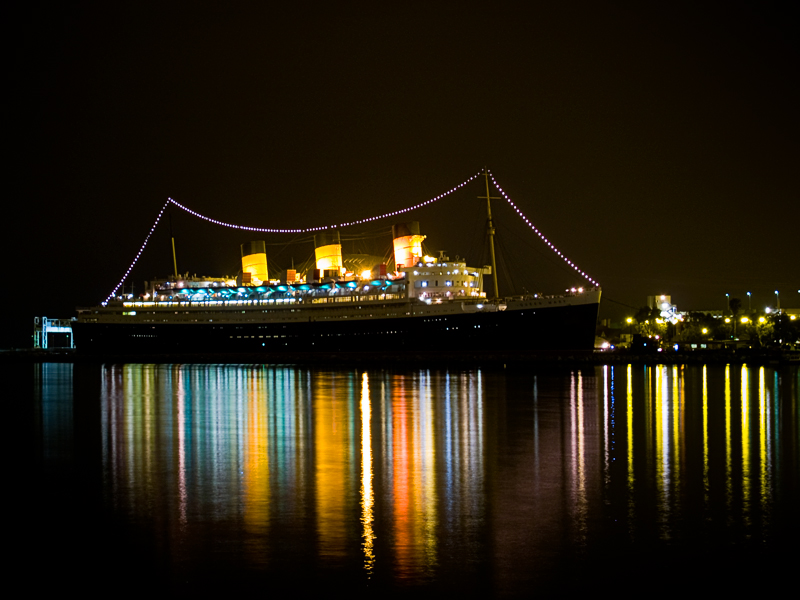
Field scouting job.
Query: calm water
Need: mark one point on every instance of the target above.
(201, 478)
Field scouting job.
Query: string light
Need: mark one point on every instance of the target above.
(539, 233)
(138, 254)
(346, 224)
(323, 227)
(272, 230)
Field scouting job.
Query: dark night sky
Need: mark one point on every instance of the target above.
(655, 143)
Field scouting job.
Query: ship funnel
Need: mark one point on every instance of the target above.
(328, 252)
(254, 262)
(407, 244)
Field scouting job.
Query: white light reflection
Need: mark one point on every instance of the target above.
(765, 451)
(182, 424)
(578, 458)
(631, 480)
(608, 427)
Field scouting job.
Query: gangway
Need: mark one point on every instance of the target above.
(42, 326)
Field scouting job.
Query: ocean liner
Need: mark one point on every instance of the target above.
(423, 304)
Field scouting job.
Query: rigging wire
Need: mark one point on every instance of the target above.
(502, 255)
(547, 256)
(621, 303)
(364, 235)
(539, 233)
(138, 254)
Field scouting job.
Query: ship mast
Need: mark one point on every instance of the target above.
(172, 235)
(490, 229)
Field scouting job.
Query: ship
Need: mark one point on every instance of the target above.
(415, 303)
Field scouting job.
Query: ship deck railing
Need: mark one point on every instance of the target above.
(304, 300)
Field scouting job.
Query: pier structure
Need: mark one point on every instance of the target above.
(42, 326)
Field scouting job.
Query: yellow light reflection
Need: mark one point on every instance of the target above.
(728, 442)
(332, 420)
(705, 434)
(367, 495)
(662, 430)
(255, 449)
(746, 466)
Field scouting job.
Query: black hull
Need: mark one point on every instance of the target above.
(570, 327)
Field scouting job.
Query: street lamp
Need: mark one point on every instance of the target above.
(749, 307)
(777, 301)
(728, 301)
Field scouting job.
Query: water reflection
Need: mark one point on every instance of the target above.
(456, 478)
(283, 448)
(367, 495)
